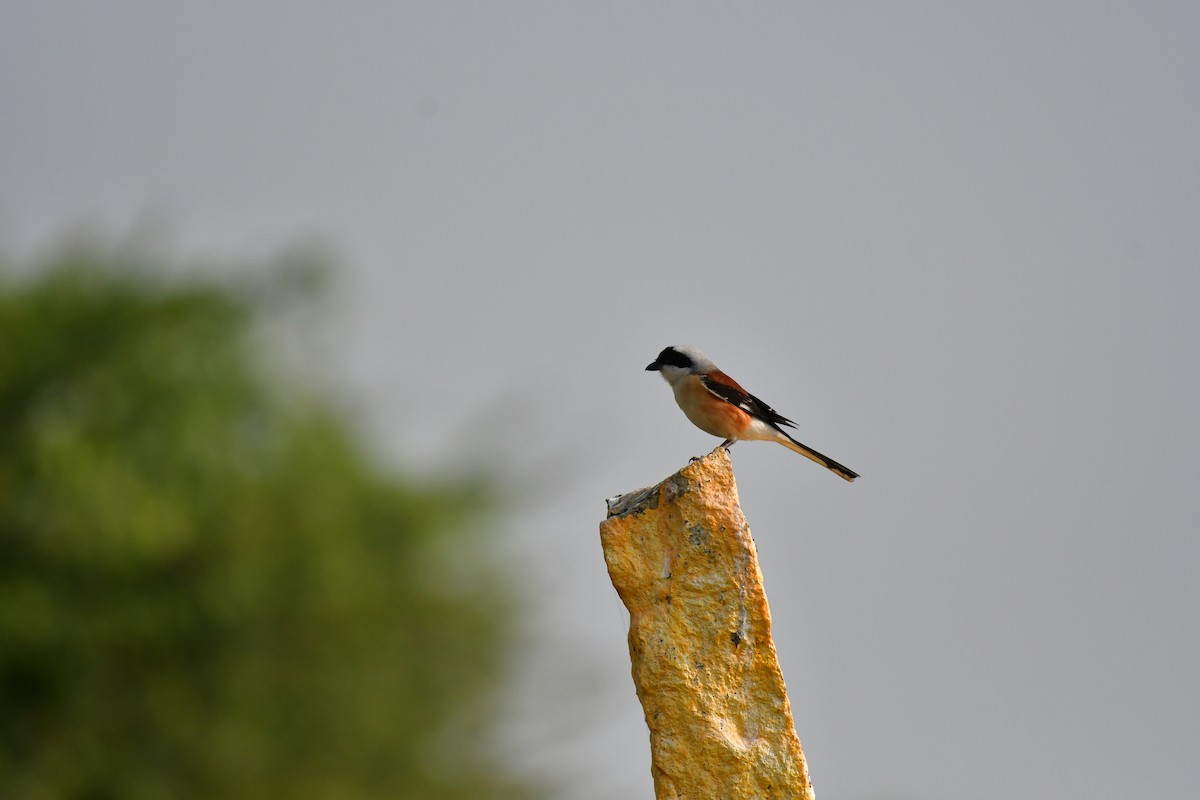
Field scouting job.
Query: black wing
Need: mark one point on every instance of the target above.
(747, 402)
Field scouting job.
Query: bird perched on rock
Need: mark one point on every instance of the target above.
(717, 404)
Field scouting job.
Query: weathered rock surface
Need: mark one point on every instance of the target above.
(681, 557)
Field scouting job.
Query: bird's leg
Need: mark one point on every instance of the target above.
(728, 443)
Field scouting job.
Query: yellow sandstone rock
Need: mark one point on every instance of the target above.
(681, 557)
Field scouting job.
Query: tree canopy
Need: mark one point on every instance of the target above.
(209, 587)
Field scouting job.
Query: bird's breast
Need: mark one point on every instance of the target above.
(708, 412)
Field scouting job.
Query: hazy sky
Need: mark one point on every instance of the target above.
(959, 243)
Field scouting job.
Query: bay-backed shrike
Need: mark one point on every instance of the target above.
(716, 404)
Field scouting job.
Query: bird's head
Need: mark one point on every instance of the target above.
(677, 362)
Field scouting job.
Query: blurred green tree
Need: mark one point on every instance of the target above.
(208, 587)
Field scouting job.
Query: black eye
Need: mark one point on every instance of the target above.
(673, 358)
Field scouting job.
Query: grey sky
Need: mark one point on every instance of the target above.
(957, 242)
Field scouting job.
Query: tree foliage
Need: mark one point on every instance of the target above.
(208, 588)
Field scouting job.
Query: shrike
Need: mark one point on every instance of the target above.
(716, 404)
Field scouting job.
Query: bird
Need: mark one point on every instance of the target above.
(717, 404)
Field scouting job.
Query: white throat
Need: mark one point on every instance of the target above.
(673, 375)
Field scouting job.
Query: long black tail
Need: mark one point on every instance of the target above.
(824, 461)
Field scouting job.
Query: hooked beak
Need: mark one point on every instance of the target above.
(653, 367)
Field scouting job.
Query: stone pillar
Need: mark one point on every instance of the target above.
(682, 559)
